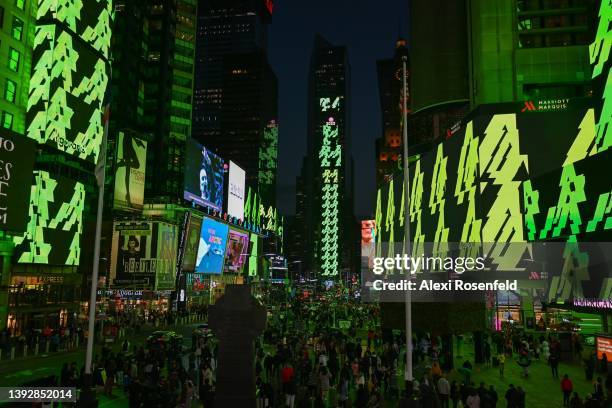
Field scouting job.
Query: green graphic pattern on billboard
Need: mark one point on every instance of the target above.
(55, 222)
(67, 87)
(268, 159)
(330, 162)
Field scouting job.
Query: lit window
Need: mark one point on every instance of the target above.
(13, 60)
(7, 120)
(17, 28)
(10, 89)
(20, 4)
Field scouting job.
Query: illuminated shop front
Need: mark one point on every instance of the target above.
(36, 301)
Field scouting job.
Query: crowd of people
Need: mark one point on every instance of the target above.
(331, 352)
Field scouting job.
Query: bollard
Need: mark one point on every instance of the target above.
(36, 349)
(25, 350)
(47, 346)
(12, 353)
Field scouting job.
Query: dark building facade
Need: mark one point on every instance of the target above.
(235, 89)
(389, 145)
(327, 170)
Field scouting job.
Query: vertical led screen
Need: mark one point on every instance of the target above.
(130, 171)
(211, 248)
(55, 222)
(144, 254)
(16, 164)
(236, 251)
(330, 160)
(204, 176)
(236, 190)
(192, 243)
(69, 79)
(268, 160)
(368, 228)
(254, 255)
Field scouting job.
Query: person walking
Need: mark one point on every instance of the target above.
(553, 360)
(501, 360)
(443, 391)
(566, 388)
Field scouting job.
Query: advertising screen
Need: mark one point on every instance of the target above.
(67, 87)
(144, 254)
(55, 222)
(235, 195)
(192, 243)
(130, 171)
(604, 345)
(236, 251)
(16, 164)
(211, 248)
(204, 176)
(368, 247)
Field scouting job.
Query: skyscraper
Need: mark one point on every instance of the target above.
(502, 51)
(328, 168)
(235, 89)
(17, 24)
(389, 145)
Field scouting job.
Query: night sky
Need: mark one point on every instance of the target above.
(369, 30)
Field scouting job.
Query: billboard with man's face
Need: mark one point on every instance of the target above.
(204, 176)
(211, 248)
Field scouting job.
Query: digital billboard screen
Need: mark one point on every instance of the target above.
(130, 171)
(236, 251)
(16, 164)
(235, 192)
(192, 242)
(211, 248)
(204, 176)
(66, 93)
(55, 222)
(144, 254)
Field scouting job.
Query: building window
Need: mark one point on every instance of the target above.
(17, 28)
(20, 4)
(1, 16)
(7, 120)
(10, 89)
(13, 60)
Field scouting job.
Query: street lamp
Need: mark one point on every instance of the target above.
(408, 299)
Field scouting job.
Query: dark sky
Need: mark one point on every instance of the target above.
(369, 30)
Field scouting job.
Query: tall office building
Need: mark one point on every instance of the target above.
(328, 166)
(17, 24)
(235, 89)
(66, 88)
(501, 51)
(389, 145)
(153, 64)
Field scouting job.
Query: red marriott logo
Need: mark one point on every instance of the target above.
(528, 106)
(270, 5)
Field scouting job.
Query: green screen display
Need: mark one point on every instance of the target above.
(55, 222)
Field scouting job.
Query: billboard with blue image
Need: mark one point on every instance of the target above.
(204, 176)
(211, 248)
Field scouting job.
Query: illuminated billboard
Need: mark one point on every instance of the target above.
(16, 164)
(236, 251)
(67, 87)
(144, 253)
(130, 171)
(330, 163)
(204, 176)
(368, 233)
(192, 243)
(211, 248)
(55, 222)
(235, 192)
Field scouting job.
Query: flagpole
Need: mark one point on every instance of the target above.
(87, 395)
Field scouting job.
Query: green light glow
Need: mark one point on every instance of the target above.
(55, 222)
(66, 94)
(604, 207)
(567, 209)
(268, 159)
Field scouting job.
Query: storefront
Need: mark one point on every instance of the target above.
(37, 301)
